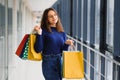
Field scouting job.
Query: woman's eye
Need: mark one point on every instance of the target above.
(51, 16)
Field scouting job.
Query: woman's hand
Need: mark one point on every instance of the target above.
(38, 29)
(69, 42)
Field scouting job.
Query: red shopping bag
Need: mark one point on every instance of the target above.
(22, 45)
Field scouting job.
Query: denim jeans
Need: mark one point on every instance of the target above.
(51, 67)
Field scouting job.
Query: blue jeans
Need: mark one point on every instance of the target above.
(51, 67)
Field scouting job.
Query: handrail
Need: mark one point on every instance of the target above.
(94, 50)
(94, 68)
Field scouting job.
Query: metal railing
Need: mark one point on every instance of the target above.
(98, 66)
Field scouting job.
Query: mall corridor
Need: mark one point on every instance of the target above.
(94, 25)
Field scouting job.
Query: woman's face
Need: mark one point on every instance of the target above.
(52, 18)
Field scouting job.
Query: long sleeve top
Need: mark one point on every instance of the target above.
(51, 42)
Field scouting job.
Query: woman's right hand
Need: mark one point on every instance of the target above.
(38, 29)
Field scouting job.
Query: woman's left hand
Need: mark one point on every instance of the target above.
(69, 42)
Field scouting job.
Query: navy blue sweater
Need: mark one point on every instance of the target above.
(50, 42)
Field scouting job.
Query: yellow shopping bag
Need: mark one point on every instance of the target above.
(73, 66)
(32, 54)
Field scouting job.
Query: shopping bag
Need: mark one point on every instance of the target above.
(32, 54)
(26, 49)
(21, 46)
(24, 54)
(73, 66)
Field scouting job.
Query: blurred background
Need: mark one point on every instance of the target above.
(93, 25)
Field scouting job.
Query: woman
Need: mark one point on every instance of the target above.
(51, 40)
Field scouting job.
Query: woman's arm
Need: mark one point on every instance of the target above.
(67, 42)
(38, 43)
(38, 46)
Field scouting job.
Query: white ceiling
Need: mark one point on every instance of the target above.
(40, 5)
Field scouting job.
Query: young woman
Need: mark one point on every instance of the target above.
(51, 40)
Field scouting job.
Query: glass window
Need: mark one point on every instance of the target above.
(74, 12)
(92, 22)
(97, 23)
(110, 23)
(79, 19)
(85, 11)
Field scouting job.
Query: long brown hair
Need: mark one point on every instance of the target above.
(45, 24)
